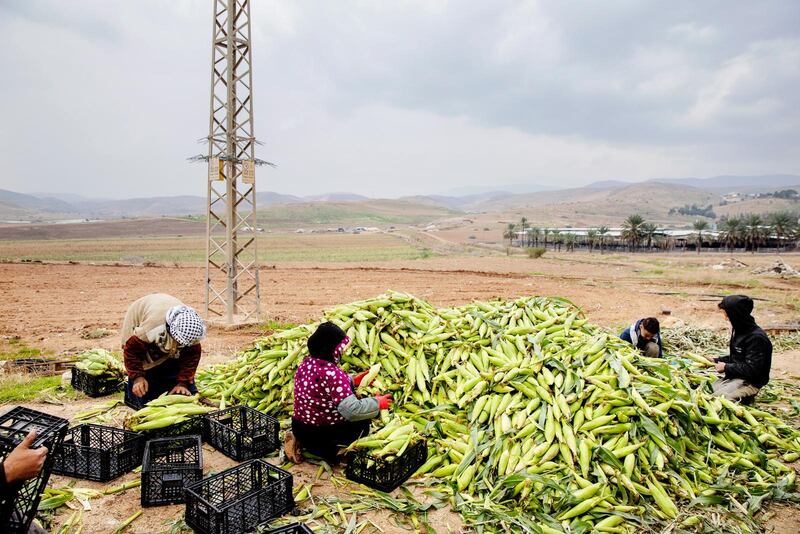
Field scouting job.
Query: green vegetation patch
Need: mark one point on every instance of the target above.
(21, 387)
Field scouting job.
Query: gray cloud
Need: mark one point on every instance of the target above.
(393, 98)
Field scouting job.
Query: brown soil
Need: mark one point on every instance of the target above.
(162, 226)
(50, 305)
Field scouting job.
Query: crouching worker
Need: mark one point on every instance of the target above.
(746, 368)
(161, 344)
(645, 335)
(327, 413)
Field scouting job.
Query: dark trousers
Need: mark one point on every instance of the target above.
(160, 379)
(324, 441)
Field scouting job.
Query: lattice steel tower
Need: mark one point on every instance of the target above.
(232, 285)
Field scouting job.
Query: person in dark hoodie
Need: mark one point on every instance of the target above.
(327, 412)
(746, 368)
(645, 335)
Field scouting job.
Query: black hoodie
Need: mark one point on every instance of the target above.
(750, 349)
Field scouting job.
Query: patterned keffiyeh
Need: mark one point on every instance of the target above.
(185, 325)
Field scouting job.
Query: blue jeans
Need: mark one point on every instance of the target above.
(160, 379)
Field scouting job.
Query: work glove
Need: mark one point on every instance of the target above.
(359, 377)
(384, 401)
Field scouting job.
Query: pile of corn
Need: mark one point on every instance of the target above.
(390, 441)
(165, 411)
(101, 363)
(536, 419)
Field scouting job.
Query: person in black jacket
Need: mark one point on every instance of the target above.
(747, 366)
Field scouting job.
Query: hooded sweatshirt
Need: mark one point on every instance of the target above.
(750, 349)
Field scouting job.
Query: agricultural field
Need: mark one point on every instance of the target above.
(76, 297)
(161, 249)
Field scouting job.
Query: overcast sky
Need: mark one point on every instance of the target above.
(389, 98)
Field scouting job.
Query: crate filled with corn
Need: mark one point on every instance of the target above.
(170, 415)
(98, 372)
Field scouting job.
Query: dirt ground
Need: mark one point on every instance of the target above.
(53, 306)
(50, 306)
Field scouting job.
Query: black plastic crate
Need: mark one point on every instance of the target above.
(193, 426)
(294, 528)
(17, 514)
(99, 453)
(239, 499)
(241, 432)
(94, 386)
(386, 475)
(169, 465)
(132, 402)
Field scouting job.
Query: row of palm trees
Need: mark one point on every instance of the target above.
(748, 231)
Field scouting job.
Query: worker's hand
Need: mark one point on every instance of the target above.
(180, 389)
(720, 367)
(359, 377)
(384, 401)
(24, 463)
(140, 386)
(710, 358)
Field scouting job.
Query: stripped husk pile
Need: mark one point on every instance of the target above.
(535, 419)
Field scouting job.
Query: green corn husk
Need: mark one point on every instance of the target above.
(165, 411)
(526, 405)
(101, 363)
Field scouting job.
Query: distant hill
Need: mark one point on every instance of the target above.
(736, 182)
(269, 198)
(30, 202)
(373, 212)
(721, 184)
(593, 206)
(465, 203)
(336, 197)
(494, 190)
(603, 201)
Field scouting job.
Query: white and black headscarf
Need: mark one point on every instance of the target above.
(185, 325)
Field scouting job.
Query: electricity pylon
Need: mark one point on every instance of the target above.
(232, 285)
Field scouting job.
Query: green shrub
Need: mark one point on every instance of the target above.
(535, 252)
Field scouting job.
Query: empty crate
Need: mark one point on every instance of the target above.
(242, 433)
(98, 452)
(169, 465)
(17, 514)
(239, 499)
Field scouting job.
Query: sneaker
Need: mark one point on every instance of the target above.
(292, 448)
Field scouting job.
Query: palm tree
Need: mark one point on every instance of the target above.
(535, 232)
(569, 241)
(731, 231)
(602, 231)
(632, 230)
(591, 236)
(782, 223)
(557, 240)
(545, 232)
(509, 233)
(699, 226)
(523, 223)
(753, 231)
(649, 230)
